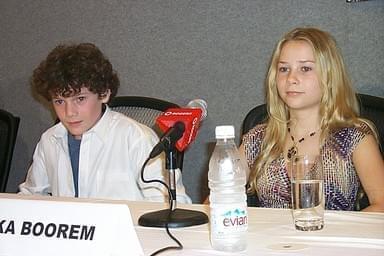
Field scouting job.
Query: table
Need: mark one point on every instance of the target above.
(271, 232)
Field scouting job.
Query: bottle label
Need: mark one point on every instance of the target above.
(228, 218)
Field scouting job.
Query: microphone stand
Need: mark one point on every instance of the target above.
(172, 217)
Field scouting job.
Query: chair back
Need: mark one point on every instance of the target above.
(257, 115)
(9, 125)
(371, 108)
(145, 110)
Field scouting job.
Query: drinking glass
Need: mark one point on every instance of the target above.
(307, 192)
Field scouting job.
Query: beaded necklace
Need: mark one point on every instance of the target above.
(292, 151)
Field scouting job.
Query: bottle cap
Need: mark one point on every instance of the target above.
(225, 132)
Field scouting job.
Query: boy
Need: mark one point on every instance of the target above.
(92, 152)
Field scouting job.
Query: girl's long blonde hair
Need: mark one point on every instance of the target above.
(338, 108)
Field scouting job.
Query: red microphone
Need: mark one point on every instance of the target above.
(190, 116)
(180, 126)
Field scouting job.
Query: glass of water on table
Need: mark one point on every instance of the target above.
(307, 185)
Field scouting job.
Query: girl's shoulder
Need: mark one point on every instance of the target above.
(256, 132)
(359, 129)
(348, 138)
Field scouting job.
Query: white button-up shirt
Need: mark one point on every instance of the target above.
(110, 160)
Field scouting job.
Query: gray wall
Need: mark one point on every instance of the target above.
(178, 50)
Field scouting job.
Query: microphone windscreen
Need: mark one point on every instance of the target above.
(199, 103)
(189, 116)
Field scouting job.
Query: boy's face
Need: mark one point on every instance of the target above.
(80, 112)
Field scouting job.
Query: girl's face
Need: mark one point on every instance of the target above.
(80, 112)
(297, 80)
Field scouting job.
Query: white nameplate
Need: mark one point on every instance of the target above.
(46, 227)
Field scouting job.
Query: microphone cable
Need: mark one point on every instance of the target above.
(180, 246)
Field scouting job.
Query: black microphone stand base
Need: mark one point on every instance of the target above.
(177, 218)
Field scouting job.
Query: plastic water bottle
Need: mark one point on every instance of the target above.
(228, 201)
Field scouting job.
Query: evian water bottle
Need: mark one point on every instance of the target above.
(228, 205)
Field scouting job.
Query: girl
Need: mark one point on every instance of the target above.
(313, 109)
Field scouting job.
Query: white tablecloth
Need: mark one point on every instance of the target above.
(271, 232)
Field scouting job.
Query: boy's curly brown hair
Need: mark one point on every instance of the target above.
(68, 68)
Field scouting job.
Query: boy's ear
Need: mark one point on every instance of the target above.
(105, 96)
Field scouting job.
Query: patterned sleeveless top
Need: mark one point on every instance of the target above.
(341, 182)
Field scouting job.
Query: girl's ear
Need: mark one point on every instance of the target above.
(105, 96)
